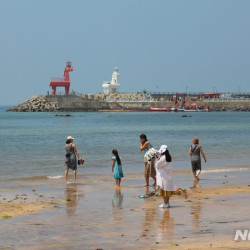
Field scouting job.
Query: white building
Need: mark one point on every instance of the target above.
(114, 85)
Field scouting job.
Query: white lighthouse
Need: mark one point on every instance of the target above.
(114, 85)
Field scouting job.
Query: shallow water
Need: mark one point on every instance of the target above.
(33, 143)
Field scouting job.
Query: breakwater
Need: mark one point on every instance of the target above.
(138, 102)
(36, 104)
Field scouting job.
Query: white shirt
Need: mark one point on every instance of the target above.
(164, 174)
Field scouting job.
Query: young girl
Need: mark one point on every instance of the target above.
(117, 167)
(164, 175)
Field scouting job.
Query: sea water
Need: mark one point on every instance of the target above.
(32, 144)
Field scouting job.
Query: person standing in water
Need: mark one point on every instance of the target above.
(71, 160)
(149, 167)
(195, 151)
(164, 175)
(117, 168)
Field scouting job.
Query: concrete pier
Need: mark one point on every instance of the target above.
(129, 101)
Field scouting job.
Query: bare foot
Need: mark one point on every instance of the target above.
(146, 185)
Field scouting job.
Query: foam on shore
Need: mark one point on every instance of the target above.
(55, 177)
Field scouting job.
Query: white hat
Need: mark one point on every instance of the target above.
(162, 149)
(70, 138)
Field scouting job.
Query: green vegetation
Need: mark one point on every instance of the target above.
(174, 245)
(5, 217)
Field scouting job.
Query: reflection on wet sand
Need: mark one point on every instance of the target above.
(117, 199)
(196, 208)
(150, 215)
(165, 229)
(117, 211)
(71, 197)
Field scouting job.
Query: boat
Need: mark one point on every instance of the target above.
(190, 110)
(174, 109)
(181, 110)
(156, 109)
(117, 110)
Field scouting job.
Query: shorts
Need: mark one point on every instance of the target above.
(196, 165)
(149, 168)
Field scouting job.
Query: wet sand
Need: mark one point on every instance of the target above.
(8, 210)
(92, 214)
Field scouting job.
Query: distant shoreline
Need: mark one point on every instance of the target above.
(126, 102)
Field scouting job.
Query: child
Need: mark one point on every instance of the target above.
(117, 167)
(164, 176)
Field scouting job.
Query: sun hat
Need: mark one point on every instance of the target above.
(162, 149)
(70, 138)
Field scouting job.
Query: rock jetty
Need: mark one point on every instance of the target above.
(36, 104)
(122, 101)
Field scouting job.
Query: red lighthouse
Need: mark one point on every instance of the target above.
(62, 82)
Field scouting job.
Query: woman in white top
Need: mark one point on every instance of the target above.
(164, 175)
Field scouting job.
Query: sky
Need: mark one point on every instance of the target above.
(162, 45)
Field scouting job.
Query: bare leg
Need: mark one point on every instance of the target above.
(166, 200)
(147, 190)
(197, 174)
(154, 178)
(119, 182)
(147, 181)
(66, 173)
(75, 172)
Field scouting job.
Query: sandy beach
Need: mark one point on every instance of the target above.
(152, 95)
(92, 214)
